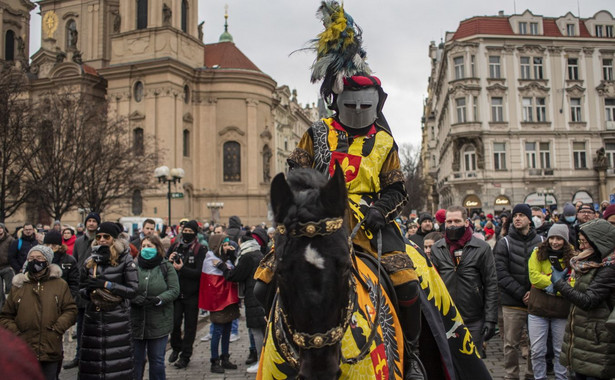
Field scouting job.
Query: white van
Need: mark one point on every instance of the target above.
(133, 224)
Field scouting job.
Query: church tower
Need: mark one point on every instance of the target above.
(15, 29)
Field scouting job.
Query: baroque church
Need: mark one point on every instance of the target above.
(213, 112)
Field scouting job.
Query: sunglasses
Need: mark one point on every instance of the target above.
(103, 236)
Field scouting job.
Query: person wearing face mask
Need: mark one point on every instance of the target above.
(151, 313)
(569, 218)
(40, 308)
(187, 256)
(512, 253)
(541, 225)
(467, 268)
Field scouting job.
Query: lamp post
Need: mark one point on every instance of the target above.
(215, 210)
(546, 193)
(169, 176)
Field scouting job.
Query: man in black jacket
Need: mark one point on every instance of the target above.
(187, 256)
(19, 248)
(425, 227)
(511, 256)
(467, 268)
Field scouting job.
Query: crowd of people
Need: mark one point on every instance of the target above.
(545, 279)
(129, 295)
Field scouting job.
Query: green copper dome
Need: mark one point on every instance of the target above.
(226, 36)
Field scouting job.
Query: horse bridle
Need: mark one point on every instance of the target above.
(332, 336)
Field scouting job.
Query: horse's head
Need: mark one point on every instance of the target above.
(312, 267)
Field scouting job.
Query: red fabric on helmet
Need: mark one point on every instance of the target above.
(357, 81)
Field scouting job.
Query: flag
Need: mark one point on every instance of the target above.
(215, 293)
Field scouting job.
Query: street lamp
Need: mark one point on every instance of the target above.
(546, 193)
(169, 177)
(215, 210)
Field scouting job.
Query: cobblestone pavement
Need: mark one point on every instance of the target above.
(199, 364)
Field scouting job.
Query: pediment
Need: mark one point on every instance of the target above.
(136, 116)
(534, 87)
(496, 87)
(232, 129)
(575, 90)
(65, 70)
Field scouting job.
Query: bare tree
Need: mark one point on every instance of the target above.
(15, 115)
(410, 156)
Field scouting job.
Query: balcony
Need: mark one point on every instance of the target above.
(465, 176)
(540, 172)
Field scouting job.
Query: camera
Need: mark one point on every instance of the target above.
(180, 253)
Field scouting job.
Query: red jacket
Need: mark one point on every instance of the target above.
(70, 244)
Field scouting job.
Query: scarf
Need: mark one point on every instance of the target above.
(581, 266)
(459, 244)
(149, 264)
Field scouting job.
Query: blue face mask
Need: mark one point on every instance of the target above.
(570, 219)
(149, 253)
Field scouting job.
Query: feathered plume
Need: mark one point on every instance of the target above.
(338, 48)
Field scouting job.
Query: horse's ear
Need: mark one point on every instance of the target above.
(281, 197)
(334, 193)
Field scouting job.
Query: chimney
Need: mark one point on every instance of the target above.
(500, 13)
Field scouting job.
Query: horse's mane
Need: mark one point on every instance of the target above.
(305, 185)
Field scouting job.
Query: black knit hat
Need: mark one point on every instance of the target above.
(110, 228)
(425, 216)
(53, 237)
(522, 208)
(93, 215)
(193, 225)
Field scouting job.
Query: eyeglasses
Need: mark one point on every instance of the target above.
(586, 212)
(103, 236)
(582, 241)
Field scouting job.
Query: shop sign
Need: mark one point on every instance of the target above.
(502, 200)
(472, 201)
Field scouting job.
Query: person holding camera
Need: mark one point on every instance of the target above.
(187, 256)
(108, 280)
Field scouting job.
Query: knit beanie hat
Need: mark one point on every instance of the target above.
(425, 216)
(522, 208)
(193, 225)
(569, 209)
(441, 216)
(110, 228)
(560, 230)
(608, 212)
(53, 237)
(46, 251)
(93, 215)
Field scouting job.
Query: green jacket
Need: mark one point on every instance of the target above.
(151, 321)
(39, 312)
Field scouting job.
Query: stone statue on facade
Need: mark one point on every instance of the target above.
(201, 31)
(166, 14)
(21, 47)
(267, 164)
(74, 36)
(600, 161)
(77, 57)
(117, 21)
(60, 56)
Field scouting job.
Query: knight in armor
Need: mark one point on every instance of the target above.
(358, 138)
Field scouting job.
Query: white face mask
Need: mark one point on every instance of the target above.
(358, 109)
(537, 221)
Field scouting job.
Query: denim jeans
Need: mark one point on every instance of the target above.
(235, 327)
(155, 355)
(538, 329)
(222, 333)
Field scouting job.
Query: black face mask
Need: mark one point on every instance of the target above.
(35, 266)
(455, 233)
(188, 238)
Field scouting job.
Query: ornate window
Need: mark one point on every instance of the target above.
(540, 109)
(138, 91)
(469, 158)
(497, 109)
(575, 110)
(460, 104)
(545, 155)
(185, 16)
(232, 161)
(137, 202)
(573, 68)
(494, 67)
(607, 69)
(610, 153)
(9, 45)
(499, 156)
(530, 154)
(71, 35)
(579, 155)
(609, 108)
(141, 14)
(459, 67)
(137, 141)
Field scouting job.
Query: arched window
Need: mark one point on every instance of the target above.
(141, 14)
(138, 91)
(137, 203)
(232, 161)
(185, 16)
(186, 143)
(9, 46)
(137, 141)
(71, 35)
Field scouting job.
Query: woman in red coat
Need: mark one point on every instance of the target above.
(68, 239)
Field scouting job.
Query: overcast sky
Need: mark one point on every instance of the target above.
(396, 35)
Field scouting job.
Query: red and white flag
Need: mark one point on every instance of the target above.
(215, 292)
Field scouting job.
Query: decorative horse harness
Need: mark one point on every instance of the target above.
(332, 336)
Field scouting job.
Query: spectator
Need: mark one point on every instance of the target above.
(234, 229)
(69, 239)
(609, 214)
(148, 229)
(80, 230)
(412, 228)
(17, 360)
(467, 268)
(250, 255)
(19, 248)
(221, 301)
(569, 217)
(540, 224)
(425, 226)
(511, 256)
(6, 272)
(548, 311)
(68, 264)
(589, 347)
(501, 229)
(429, 241)
(81, 252)
(585, 213)
(151, 313)
(187, 256)
(106, 341)
(441, 218)
(489, 232)
(40, 309)
(57, 225)
(271, 232)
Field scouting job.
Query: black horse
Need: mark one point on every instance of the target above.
(317, 298)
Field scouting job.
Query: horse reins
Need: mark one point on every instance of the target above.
(335, 334)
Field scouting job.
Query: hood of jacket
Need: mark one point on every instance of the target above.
(21, 278)
(601, 234)
(234, 222)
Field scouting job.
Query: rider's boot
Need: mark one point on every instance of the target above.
(410, 320)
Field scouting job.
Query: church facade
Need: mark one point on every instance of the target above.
(211, 111)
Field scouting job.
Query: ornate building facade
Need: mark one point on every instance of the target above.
(211, 110)
(519, 109)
